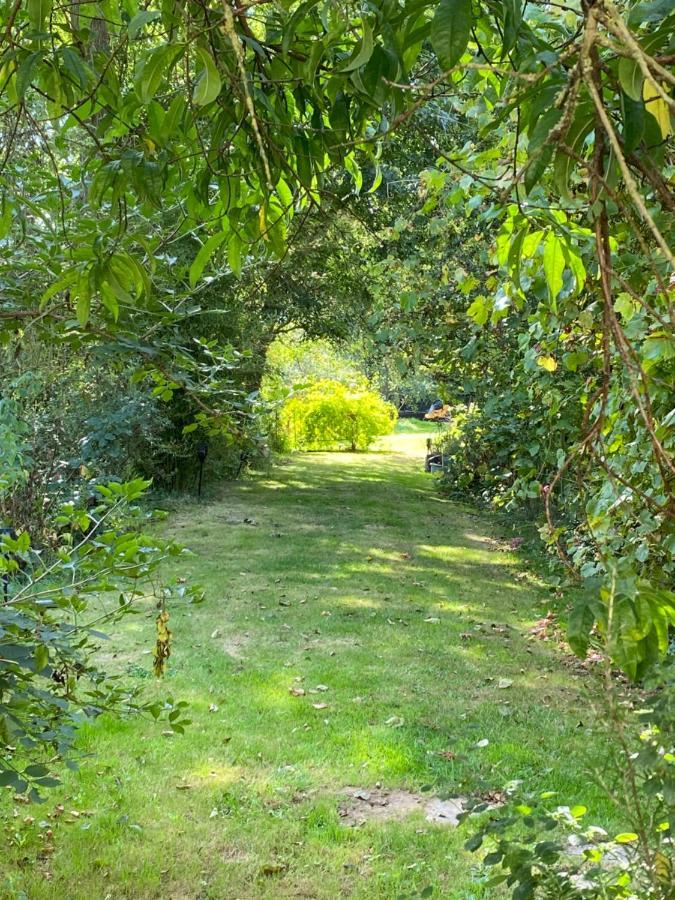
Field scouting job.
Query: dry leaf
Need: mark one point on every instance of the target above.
(273, 868)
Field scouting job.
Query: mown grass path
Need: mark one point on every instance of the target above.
(348, 572)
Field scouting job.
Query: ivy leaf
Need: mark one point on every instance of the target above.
(547, 362)
(450, 31)
(208, 84)
(479, 311)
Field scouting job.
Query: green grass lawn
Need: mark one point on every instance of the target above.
(341, 570)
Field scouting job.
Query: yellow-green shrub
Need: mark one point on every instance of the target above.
(329, 415)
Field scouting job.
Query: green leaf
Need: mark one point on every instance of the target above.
(631, 78)
(650, 11)
(626, 837)
(38, 10)
(554, 264)
(284, 194)
(579, 625)
(152, 69)
(24, 75)
(512, 20)
(76, 67)
(144, 17)
(41, 660)
(633, 122)
(573, 360)
(83, 308)
(525, 890)
(293, 22)
(450, 31)
(234, 253)
(582, 124)
(63, 283)
(205, 253)
(576, 266)
(208, 85)
(540, 158)
(479, 311)
(474, 842)
(363, 52)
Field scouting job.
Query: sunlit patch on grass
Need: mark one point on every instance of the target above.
(211, 773)
(411, 651)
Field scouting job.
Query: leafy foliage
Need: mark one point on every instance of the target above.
(541, 849)
(329, 415)
(54, 607)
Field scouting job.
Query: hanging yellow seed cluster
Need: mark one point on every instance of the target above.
(163, 645)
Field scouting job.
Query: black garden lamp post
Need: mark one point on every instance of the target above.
(202, 451)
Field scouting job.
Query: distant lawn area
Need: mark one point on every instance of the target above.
(360, 632)
(417, 426)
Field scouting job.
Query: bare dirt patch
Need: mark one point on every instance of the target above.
(380, 805)
(233, 645)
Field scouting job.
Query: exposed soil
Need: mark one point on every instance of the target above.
(377, 805)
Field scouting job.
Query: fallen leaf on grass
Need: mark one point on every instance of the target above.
(296, 692)
(321, 687)
(482, 743)
(395, 721)
(273, 868)
(505, 683)
(213, 707)
(433, 620)
(320, 705)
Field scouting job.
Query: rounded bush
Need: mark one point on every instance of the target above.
(329, 415)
